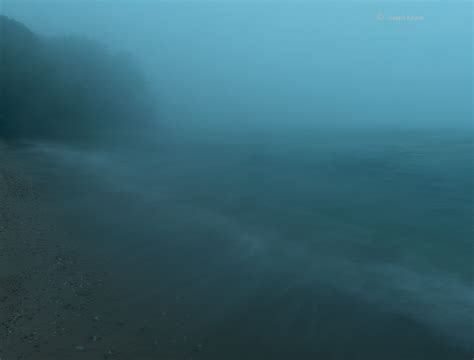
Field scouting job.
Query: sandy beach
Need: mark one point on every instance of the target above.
(45, 288)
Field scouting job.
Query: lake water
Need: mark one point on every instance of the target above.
(311, 245)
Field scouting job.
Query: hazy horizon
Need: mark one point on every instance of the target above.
(272, 64)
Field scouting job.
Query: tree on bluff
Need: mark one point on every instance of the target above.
(67, 89)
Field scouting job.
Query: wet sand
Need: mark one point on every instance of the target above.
(46, 289)
(59, 298)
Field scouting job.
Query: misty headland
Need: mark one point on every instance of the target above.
(68, 89)
(289, 203)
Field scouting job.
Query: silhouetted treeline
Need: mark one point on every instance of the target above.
(67, 89)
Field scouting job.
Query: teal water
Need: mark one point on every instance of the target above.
(274, 246)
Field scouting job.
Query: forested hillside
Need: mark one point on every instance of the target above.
(68, 89)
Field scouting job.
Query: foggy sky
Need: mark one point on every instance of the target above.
(243, 63)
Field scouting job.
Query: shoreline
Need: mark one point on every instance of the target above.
(109, 256)
(46, 289)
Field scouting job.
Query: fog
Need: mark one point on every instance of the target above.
(281, 64)
(304, 190)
